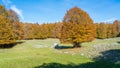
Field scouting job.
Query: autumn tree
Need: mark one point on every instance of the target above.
(109, 31)
(56, 33)
(6, 34)
(46, 30)
(116, 28)
(28, 29)
(101, 30)
(17, 26)
(77, 27)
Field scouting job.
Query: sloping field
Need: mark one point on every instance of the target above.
(42, 54)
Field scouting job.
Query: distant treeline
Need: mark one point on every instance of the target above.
(108, 30)
(11, 29)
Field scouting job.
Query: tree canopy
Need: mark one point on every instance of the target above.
(6, 34)
(77, 27)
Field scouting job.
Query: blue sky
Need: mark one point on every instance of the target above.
(43, 11)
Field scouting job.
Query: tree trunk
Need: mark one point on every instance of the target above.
(76, 45)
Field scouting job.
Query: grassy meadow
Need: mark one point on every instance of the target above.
(42, 54)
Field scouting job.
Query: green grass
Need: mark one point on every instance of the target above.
(103, 41)
(29, 54)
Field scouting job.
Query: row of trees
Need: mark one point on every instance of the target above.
(76, 27)
(43, 31)
(108, 30)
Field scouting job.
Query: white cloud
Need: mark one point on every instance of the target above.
(18, 11)
(13, 7)
(6, 2)
(110, 20)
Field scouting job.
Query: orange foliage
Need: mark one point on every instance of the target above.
(78, 27)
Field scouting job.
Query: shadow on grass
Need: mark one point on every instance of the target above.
(118, 42)
(3, 46)
(63, 47)
(110, 55)
(97, 64)
(109, 59)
